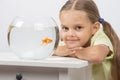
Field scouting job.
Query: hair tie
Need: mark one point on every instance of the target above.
(101, 20)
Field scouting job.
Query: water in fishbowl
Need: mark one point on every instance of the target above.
(30, 41)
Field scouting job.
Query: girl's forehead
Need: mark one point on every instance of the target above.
(74, 12)
(74, 15)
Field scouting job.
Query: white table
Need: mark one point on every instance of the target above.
(52, 68)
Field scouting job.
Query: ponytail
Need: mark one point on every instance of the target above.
(115, 68)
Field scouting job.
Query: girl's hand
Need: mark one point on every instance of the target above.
(77, 49)
(63, 51)
(74, 51)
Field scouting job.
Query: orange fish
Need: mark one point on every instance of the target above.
(46, 40)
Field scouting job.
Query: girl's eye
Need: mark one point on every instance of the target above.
(65, 28)
(78, 28)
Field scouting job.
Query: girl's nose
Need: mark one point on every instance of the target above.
(71, 33)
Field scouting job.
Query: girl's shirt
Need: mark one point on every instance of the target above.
(102, 71)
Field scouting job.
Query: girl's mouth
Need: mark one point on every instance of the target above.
(71, 41)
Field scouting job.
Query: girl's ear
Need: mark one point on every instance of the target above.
(96, 27)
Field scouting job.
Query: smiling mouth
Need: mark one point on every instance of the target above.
(71, 41)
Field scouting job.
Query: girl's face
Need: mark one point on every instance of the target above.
(77, 29)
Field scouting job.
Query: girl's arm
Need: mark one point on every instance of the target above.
(95, 54)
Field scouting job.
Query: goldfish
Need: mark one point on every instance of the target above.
(46, 40)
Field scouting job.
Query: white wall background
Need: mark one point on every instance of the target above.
(109, 10)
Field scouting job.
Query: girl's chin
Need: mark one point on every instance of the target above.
(72, 46)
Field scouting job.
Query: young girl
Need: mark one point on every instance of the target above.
(85, 35)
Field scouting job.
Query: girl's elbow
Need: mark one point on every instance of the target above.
(96, 59)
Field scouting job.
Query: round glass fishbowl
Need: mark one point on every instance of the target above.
(33, 37)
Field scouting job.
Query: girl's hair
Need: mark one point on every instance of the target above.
(93, 14)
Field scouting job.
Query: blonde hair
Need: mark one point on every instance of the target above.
(93, 14)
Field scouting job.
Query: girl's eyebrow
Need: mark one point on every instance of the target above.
(74, 25)
(79, 24)
(63, 25)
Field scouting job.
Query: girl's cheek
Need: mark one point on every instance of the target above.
(63, 35)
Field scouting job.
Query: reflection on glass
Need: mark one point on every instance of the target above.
(33, 37)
